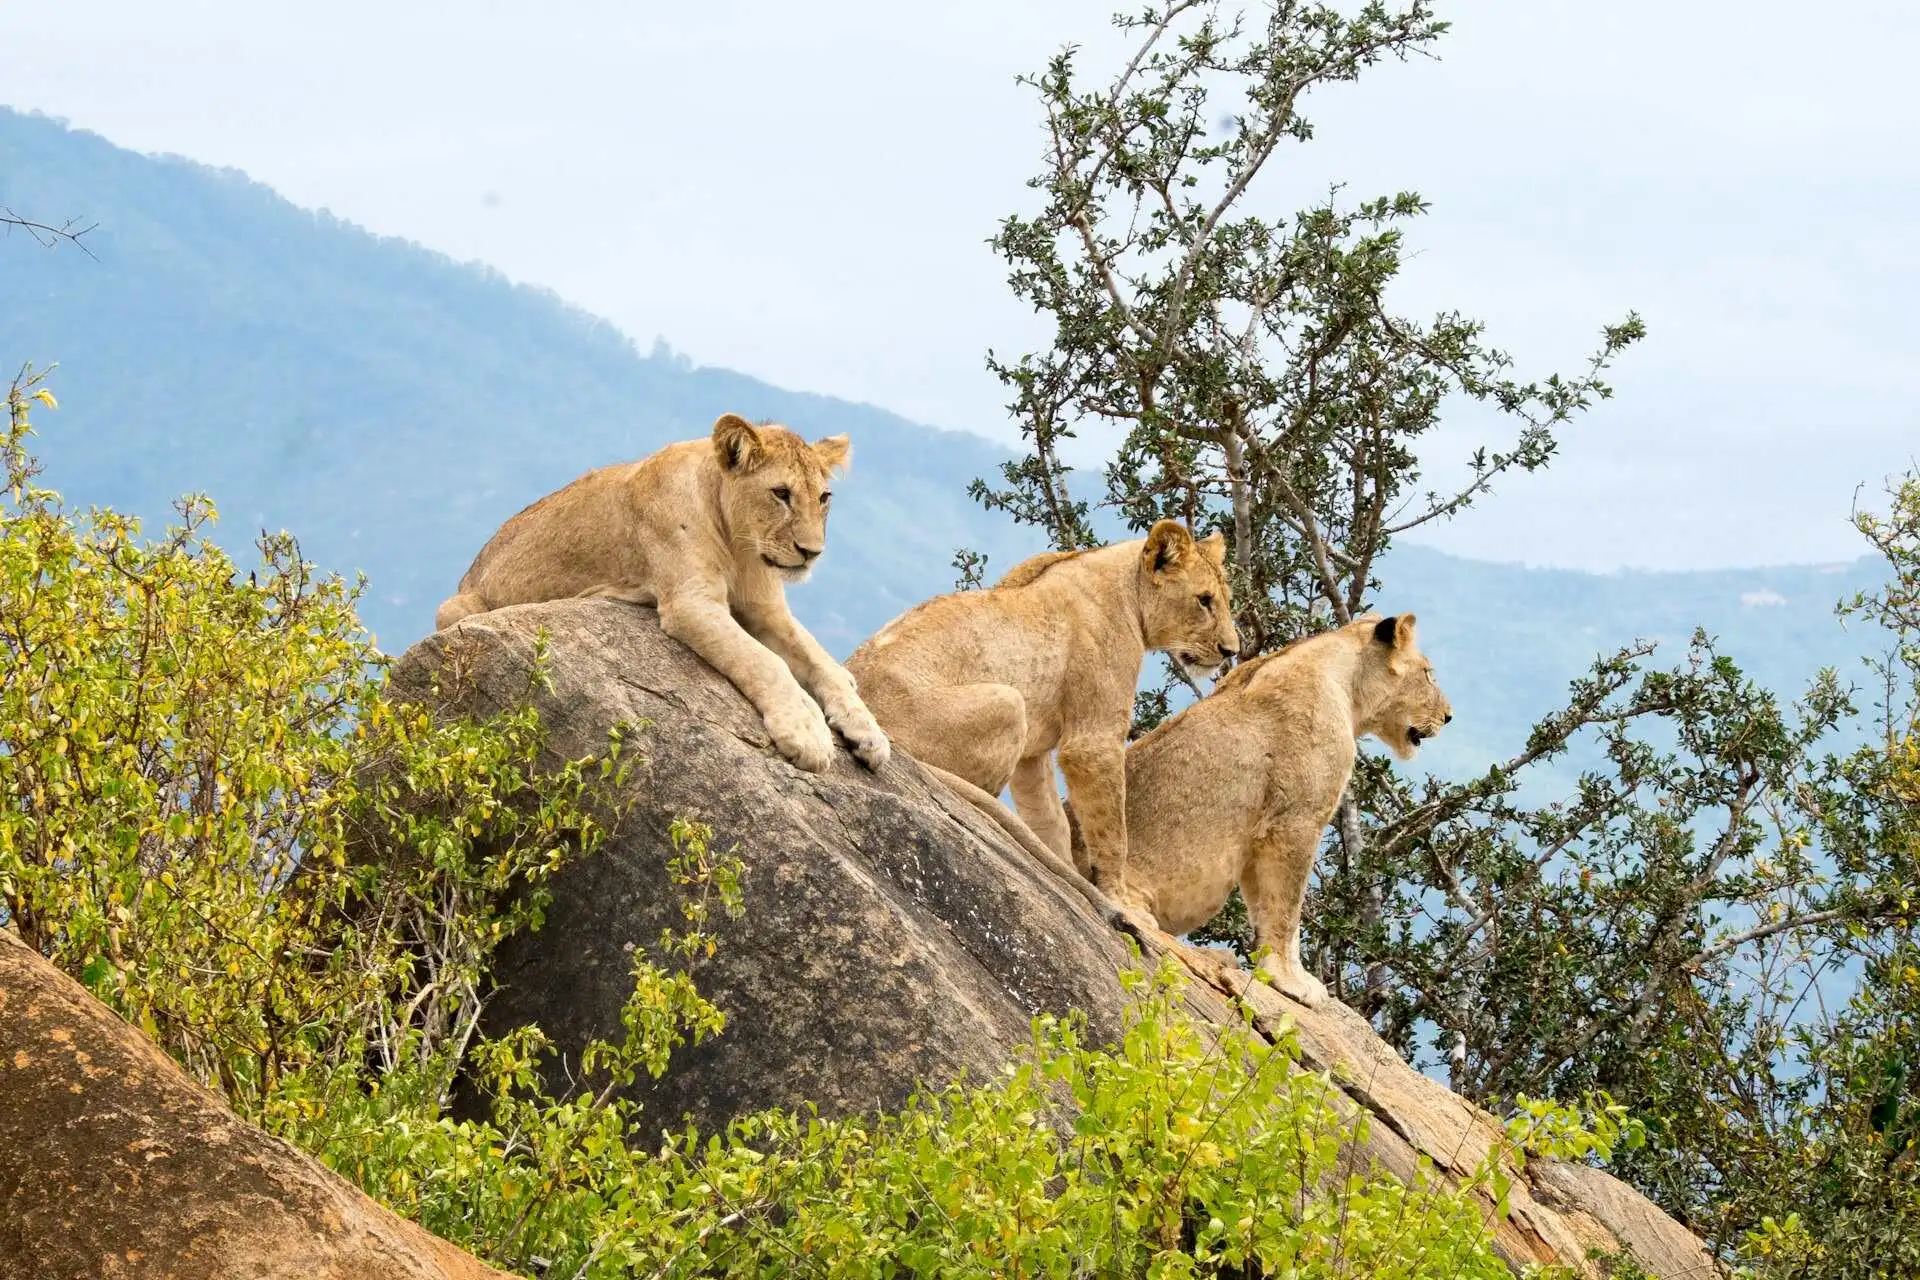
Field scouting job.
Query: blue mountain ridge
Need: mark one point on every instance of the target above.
(391, 407)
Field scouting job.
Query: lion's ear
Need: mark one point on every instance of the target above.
(1168, 543)
(834, 452)
(1397, 631)
(737, 443)
(1214, 547)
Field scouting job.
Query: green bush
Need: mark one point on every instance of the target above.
(205, 780)
(218, 819)
(1181, 1151)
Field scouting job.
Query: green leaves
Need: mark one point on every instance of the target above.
(1248, 369)
(1667, 928)
(218, 819)
(1181, 1150)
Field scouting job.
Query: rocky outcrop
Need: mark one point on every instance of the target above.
(892, 934)
(114, 1165)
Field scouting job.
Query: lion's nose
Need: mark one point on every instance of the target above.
(1449, 719)
(808, 553)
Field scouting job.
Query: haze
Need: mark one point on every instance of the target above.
(804, 193)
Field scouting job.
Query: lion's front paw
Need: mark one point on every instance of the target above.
(801, 733)
(852, 721)
(1292, 980)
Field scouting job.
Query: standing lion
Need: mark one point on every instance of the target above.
(988, 685)
(710, 531)
(1237, 788)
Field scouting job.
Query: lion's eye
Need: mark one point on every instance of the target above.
(1206, 599)
(826, 496)
(784, 494)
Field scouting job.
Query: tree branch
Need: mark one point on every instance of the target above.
(46, 234)
(1762, 932)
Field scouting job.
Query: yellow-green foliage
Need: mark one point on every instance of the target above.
(204, 781)
(1180, 1152)
(212, 813)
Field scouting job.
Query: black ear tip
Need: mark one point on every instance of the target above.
(1383, 630)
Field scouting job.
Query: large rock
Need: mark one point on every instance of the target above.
(115, 1164)
(892, 934)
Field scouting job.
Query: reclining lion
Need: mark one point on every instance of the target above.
(985, 686)
(709, 530)
(1237, 788)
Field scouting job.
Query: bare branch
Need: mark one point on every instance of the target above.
(46, 234)
(1328, 582)
(1758, 933)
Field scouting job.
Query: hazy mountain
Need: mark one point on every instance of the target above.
(391, 407)
(388, 405)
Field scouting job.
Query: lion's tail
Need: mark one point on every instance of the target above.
(1222, 975)
(1022, 835)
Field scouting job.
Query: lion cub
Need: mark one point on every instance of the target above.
(988, 684)
(709, 530)
(1237, 788)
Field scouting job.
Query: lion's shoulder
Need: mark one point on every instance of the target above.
(1032, 567)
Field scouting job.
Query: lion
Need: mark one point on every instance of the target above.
(987, 686)
(1237, 788)
(708, 530)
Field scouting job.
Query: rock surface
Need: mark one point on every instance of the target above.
(115, 1165)
(892, 934)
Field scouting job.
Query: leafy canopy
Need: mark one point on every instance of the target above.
(1684, 928)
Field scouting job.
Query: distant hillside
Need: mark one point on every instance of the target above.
(1507, 639)
(387, 404)
(391, 407)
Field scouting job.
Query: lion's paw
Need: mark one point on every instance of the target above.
(801, 733)
(1138, 919)
(1130, 907)
(852, 721)
(1295, 982)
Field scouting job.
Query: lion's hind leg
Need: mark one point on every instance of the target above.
(973, 730)
(1037, 798)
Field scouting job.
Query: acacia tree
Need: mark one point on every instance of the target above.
(1252, 368)
(1654, 934)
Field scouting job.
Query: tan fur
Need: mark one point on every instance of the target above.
(989, 684)
(708, 530)
(1238, 788)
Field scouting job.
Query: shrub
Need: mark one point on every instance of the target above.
(207, 788)
(217, 818)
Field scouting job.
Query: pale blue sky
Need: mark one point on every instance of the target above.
(804, 193)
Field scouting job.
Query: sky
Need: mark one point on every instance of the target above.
(805, 192)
